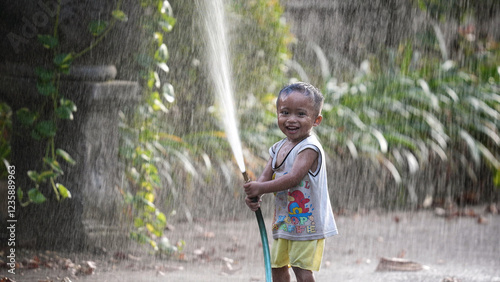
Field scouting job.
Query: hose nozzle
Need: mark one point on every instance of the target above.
(247, 179)
(245, 176)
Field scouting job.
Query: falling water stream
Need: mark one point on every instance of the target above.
(218, 60)
(218, 54)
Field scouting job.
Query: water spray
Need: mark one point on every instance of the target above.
(218, 58)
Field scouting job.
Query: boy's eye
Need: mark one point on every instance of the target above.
(302, 114)
(284, 112)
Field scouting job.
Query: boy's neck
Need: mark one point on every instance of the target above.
(298, 140)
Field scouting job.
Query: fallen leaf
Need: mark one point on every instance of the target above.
(87, 268)
(120, 256)
(482, 220)
(131, 257)
(228, 269)
(492, 208)
(169, 268)
(32, 264)
(398, 264)
(209, 235)
(439, 211)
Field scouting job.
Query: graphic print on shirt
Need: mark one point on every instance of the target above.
(298, 218)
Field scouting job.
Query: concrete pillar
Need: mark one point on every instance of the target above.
(91, 218)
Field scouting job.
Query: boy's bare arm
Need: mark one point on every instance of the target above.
(303, 163)
(266, 175)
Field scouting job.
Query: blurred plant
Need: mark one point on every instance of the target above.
(144, 146)
(259, 80)
(42, 123)
(407, 115)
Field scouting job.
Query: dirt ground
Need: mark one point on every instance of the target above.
(463, 247)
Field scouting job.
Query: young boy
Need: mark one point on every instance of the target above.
(296, 174)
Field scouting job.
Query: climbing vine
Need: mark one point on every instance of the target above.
(42, 122)
(140, 148)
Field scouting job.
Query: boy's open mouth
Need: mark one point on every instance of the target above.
(292, 129)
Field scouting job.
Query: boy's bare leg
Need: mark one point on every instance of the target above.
(281, 274)
(303, 275)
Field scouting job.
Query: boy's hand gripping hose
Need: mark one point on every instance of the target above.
(263, 236)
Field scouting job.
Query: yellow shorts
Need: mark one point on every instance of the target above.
(301, 254)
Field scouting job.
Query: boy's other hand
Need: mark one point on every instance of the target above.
(252, 189)
(254, 206)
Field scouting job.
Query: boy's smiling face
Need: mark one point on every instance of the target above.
(297, 115)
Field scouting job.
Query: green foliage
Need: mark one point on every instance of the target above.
(42, 122)
(142, 150)
(407, 114)
(258, 80)
(389, 113)
(443, 10)
(268, 47)
(96, 28)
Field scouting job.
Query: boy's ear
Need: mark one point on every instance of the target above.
(318, 120)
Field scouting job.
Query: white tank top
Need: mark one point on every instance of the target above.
(303, 212)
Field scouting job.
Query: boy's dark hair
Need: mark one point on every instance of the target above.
(306, 89)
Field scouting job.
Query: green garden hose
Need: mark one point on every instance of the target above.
(263, 237)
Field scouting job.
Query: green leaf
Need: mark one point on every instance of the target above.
(64, 113)
(167, 26)
(161, 218)
(138, 222)
(96, 28)
(35, 135)
(46, 175)
(162, 53)
(63, 191)
(40, 177)
(68, 103)
(163, 67)
(54, 164)
(141, 238)
(48, 41)
(46, 88)
(63, 58)
(63, 61)
(165, 8)
(25, 116)
(44, 74)
(33, 175)
(119, 15)
(46, 129)
(496, 179)
(150, 227)
(63, 154)
(158, 105)
(168, 92)
(20, 194)
(36, 196)
(145, 60)
(65, 109)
